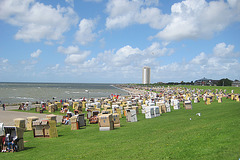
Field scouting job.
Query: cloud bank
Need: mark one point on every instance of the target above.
(189, 19)
(36, 20)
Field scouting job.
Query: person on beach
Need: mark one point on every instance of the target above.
(9, 142)
(3, 105)
(67, 120)
(43, 107)
(4, 144)
(20, 107)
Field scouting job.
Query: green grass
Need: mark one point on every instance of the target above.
(213, 135)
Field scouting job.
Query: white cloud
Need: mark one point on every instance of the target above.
(157, 50)
(152, 2)
(125, 64)
(153, 17)
(3, 64)
(123, 13)
(199, 59)
(71, 2)
(235, 5)
(215, 65)
(36, 53)
(124, 56)
(76, 59)
(56, 67)
(4, 60)
(4, 67)
(74, 55)
(36, 20)
(50, 43)
(222, 50)
(85, 33)
(189, 19)
(128, 56)
(122, 64)
(69, 50)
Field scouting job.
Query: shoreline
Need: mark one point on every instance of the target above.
(53, 92)
(129, 89)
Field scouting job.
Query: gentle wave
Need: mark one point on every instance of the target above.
(22, 98)
(18, 92)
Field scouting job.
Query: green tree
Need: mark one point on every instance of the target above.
(224, 82)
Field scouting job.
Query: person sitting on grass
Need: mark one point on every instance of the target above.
(66, 118)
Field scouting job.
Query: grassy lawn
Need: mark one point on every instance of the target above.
(213, 135)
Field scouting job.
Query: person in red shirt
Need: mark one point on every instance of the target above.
(4, 145)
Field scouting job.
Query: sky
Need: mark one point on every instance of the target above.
(110, 41)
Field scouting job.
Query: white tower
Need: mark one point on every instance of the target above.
(146, 75)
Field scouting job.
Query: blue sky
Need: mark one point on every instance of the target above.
(98, 41)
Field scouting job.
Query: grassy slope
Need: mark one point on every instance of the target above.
(213, 135)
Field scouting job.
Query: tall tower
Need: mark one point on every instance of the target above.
(146, 75)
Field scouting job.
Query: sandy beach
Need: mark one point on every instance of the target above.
(7, 117)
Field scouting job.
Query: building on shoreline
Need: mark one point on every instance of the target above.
(205, 82)
(236, 83)
(146, 75)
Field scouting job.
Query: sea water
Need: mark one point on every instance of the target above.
(23, 92)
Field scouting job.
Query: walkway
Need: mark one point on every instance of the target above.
(8, 116)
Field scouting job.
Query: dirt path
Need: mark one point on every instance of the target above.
(8, 116)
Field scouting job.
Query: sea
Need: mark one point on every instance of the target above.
(13, 93)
